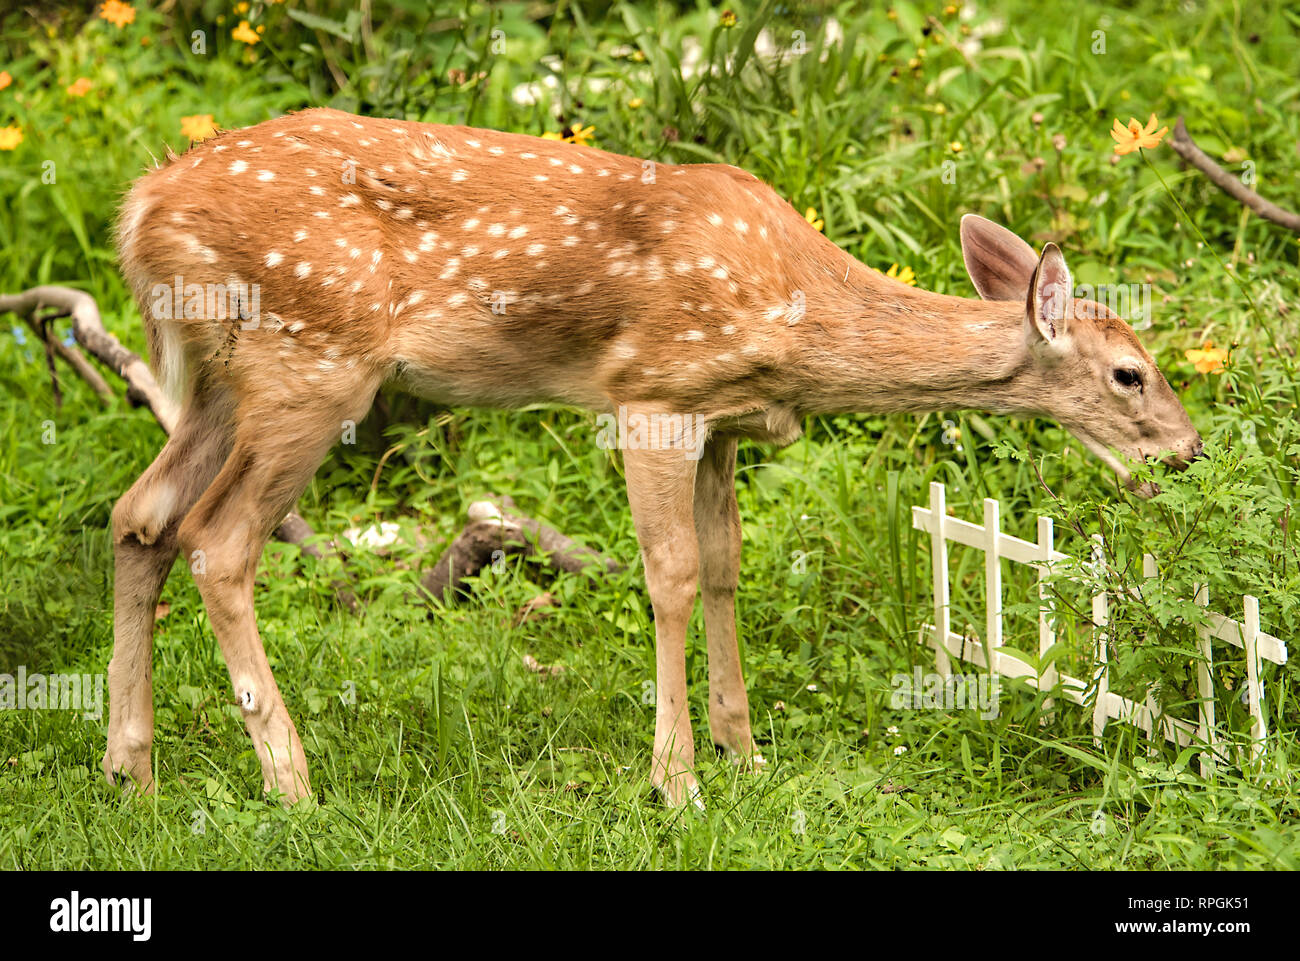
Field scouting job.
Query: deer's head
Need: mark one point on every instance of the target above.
(1086, 368)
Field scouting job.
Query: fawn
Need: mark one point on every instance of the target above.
(493, 269)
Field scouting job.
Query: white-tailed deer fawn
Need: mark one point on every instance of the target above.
(286, 270)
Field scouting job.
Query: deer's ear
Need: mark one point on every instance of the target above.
(1000, 264)
(1050, 292)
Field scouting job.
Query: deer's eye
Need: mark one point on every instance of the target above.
(1128, 377)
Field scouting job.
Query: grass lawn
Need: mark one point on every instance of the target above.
(431, 743)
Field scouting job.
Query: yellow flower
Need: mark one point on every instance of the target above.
(635, 103)
(580, 134)
(903, 275)
(80, 87)
(5, 79)
(1208, 359)
(955, 146)
(198, 127)
(810, 215)
(574, 133)
(245, 34)
(241, 7)
(728, 19)
(117, 13)
(1135, 136)
(10, 137)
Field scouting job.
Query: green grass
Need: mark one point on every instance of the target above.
(453, 754)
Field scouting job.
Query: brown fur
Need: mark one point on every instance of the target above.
(485, 268)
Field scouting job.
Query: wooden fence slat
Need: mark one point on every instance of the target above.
(992, 583)
(1250, 640)
(1048, 676)
(1205, 686)
(939, 562)
(1100, 618)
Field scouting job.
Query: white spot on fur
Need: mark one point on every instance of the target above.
(274, 258)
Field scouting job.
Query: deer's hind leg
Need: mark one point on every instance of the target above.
(145, 524)
(717, 526)
(276, 451)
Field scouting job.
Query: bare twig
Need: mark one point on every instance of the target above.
(1185, 147)
(71, 356)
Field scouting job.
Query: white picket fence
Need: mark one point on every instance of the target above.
(997, 547)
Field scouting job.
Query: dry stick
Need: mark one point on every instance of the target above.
(495, 526)
(141, 387)
(71, 356)
(1185, 147)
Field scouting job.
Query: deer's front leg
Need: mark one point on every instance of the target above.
(660, 489)
(717, 527)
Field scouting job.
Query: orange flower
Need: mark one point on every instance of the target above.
(198, 127)
(10, 137)
(80, 87)
(1208, 359)
(245, 33)
(5, 79)
(1135, 136)
(117, 13)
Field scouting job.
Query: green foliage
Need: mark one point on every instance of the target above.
(430, 742)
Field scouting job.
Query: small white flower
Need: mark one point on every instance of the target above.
(892, 730)
(813, 688)
(900, 751)
(373, 537)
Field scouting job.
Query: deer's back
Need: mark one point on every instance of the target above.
(481, 267)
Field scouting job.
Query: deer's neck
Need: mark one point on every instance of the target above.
(876, 345)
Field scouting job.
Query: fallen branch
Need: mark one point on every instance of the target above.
(1185, 147)
(495, 530)
(141, 387)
